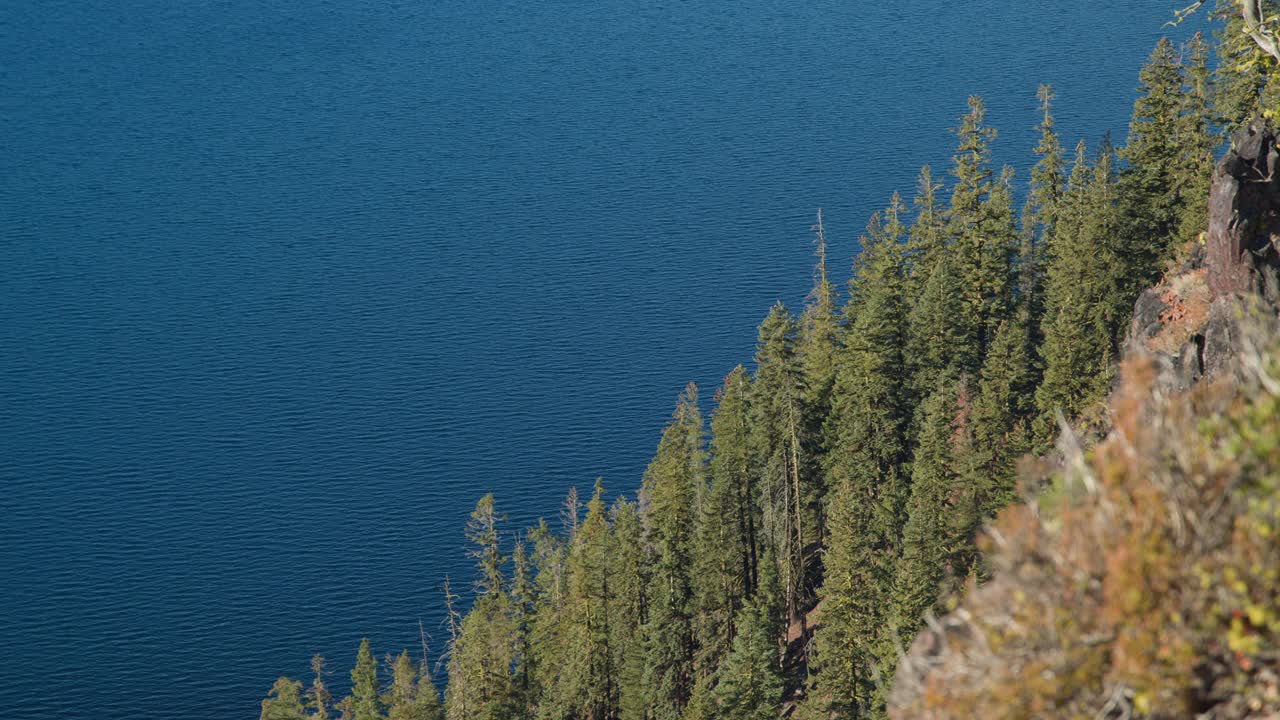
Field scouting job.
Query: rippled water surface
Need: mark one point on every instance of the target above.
(287, 285)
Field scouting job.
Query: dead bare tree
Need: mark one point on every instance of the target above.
(1257, 25)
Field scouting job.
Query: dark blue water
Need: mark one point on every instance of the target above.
(287, 285)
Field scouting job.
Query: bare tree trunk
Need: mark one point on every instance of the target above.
(1254, 16)
(1254, 24)
(795, 484)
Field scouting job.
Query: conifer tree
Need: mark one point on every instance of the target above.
(786, 479)
(592, 690)
(548, 636)
(481, 686)
(366, 704)
(483, 652)
(868, 481)
(1154, 158)
(818, 338)
(1197, 139)
(409, 697)
(751, 681)
(482, 531)
(724, 548)
(427, 698)
(979, 225)
(935, 342)
(996, 268)
(669, 485)
(933, 293)
(1048, 176)
(819, 331)
(927, 241)
(284, 702)
(318, 696)
(632, 564)
(702, 701)
(971, 169)
(931, 542)
(1087, 265)
(1040, 215)
(999, 429)
(524, 602)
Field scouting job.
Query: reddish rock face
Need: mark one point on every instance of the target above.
(1243, 243)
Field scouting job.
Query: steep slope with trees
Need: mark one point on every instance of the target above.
(780, 559)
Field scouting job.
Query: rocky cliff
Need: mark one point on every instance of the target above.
(1191, 323)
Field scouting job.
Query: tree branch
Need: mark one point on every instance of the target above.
(1255, 26)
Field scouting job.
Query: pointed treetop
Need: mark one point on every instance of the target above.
(482, 531)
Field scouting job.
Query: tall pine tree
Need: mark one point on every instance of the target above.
(669, 487)
(751, 681)
(868, 481)
(633, 562)
(1197, 139)
(724, 546)
(1087, 261)
(787, 480)
(484, 650)
(979, 225)
(931, 543)
(1151, 189)
(366, 703)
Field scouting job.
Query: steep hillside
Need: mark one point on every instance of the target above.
(1145, 580)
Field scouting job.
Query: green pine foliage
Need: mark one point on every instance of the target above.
(1087, 266)
(983, 237)
(752, 683)
(1048, 176)
(284, 702)
(1000, 416)
(1198, 140)
(411, 696)
(484, 649)
(724, 544)
(818, 335)
(482, 531)
(1168, 158)
(867, 478)
(778, 562)
(585, 682)
(927, 242)
(934, 343)
(669, 489)
(366, 703)
(1151, 186)
(481, 661)
(524, 601)
(938, 512)
(1039, 217)
(817, 343)
(632, 563)
(788, 496)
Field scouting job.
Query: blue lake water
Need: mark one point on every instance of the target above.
(287, 285)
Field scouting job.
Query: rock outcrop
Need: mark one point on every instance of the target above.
(1243, 242)
(1191, 323)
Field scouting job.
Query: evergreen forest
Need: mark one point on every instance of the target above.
(934, 446)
